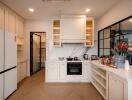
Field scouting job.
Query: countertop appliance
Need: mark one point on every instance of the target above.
(85, 56)
(74, 68)
(94, 57)
(73, 59)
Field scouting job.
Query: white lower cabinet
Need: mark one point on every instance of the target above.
(116, 88)
(10, 82)
(21, 71)
(56, 71)
(52, 72)
(86, 71)
(62, 72)
(1, 86)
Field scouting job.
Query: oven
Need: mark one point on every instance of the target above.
(74, 68)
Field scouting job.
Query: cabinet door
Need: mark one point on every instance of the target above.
(23, 70)
(10, 44)
(52, 72)
(62, 71)
(116, 88)
(1, 38)
(1, 86)
(18, 72)
(10, 51)
(86, 71)
(10, 82)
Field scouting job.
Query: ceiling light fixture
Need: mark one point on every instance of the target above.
(88, 10)
(31, 9)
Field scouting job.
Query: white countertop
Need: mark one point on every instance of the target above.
(125, 74)
(69, 61)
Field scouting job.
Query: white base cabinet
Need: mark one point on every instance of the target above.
(52, 72)
(116, 88)
(56, 71)
(21, 71)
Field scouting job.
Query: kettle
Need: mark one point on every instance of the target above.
(85, 56)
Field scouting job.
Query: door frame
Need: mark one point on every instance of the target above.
(31, 51)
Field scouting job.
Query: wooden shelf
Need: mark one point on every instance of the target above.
(56, 33)
(89, 33)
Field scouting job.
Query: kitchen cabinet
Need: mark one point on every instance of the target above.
(89, 34)
(62, 71)
(10, 82)
(52, 72)
(10, 51)
(1, 86)
(73, 29)
(86, 71)
(116, 88)
(56, 33)
(10, 19)
(21, 70)
(1, 37)
(56, 71)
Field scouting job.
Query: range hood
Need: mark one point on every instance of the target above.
(70, 41)
(73, 30)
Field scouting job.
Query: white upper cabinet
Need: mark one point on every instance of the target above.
(1, 38)
(73, 29)
(10, 43)
(10, 19)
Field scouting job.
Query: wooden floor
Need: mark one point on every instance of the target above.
(34, 88)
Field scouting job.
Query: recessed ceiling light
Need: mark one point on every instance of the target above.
(130, 20)
(31, 9)
(88, 10)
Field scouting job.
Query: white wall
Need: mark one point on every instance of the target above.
(118, 12)
(51, 52)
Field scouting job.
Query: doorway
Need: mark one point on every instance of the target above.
(37, 51)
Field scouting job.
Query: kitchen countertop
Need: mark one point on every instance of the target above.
(69, 61)
(125, 74)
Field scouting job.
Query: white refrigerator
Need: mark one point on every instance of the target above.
(8, 63)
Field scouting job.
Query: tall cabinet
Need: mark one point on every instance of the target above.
(8, 51)
(21, 59)
(1, 51)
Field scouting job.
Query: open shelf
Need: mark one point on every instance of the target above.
(56, 33)
(98, 76)
(99, 71)
(89, 33)
(99, 79)
(100, 89)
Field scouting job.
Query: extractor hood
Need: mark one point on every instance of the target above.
(73, 30)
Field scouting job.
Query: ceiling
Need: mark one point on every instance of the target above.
(47, 9)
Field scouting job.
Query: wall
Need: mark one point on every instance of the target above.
(118, 12)
(51, 52)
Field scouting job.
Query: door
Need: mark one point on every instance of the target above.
(1, 38)
(10, 82)
(1, 86)
(35, 53)
(116, 88)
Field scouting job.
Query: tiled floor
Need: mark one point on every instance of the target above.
(35, 88)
